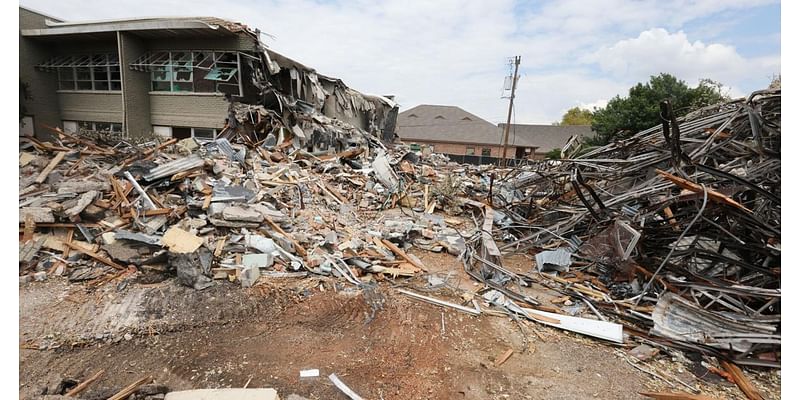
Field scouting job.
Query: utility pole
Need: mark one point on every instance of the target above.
(510, 108)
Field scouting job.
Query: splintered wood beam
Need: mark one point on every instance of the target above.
(85, 384)
(49, 168)
(713, 195)
(128, 390)
(94, 255)
(403, 254)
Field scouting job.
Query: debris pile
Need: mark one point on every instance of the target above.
(675, 231)
(671, 237)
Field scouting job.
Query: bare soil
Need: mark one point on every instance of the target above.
(226, 336)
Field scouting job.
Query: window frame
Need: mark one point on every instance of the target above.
(181, 62)
(470, 151)
(89, 66)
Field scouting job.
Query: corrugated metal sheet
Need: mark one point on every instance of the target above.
(173, 167)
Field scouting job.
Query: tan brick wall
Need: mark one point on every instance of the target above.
(461, 149)
(94, 106)
(188, 109)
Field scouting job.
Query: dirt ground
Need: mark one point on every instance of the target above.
(381, 344)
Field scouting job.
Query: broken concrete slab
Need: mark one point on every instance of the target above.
(257, 260)
(193, 269)
(249, 276)
(40, 215)
(83, 201)
(241, 214)
(224, 394)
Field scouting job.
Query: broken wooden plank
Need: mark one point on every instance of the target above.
(94, 255)
(85, 384)
(220, 246)
(744, 384)
(30, 226)
(500, 360)
(128, 390)
(438, 302)
(49, 168)
(713, 195)
(403, 254)
(181, 241)
(297, 247)
(675, 396)
(148, 152)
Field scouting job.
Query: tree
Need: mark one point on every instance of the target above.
(576, 116)
(624, 116)
(554, 154)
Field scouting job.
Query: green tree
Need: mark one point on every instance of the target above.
(554, 154)
(576, 116)
(624, 116)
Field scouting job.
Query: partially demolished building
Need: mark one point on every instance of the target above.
(182, 77)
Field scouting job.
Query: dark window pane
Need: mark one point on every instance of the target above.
(161, 74)
(202, 85)
(66, 85)
(204, 133)
(183, 75)
(85, 126)
(83, 74)
(101, 85)
(66, 74)
(116, 127)
(102, 126)
(161, 86)
(116, 85)
(84, 85)
(100, 73)
(181, 86)
(181, 133)
(115, 73)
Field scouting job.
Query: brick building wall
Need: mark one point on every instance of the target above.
(43, 105)
(461, 148)
(90, 106)
(135, 85)
(207, 110)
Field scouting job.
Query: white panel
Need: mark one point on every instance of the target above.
(70, 126)
(163, 131)
(26, 126)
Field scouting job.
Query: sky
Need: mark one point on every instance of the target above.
(574, 52)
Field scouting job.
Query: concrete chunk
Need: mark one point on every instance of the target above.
(240, 213)
(224, 394)
(39, 214)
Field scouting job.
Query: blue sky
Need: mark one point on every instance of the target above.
(574, 52)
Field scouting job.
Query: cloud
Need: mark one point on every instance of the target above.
(657, 50)
(455, 52)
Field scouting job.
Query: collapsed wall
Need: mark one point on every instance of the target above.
(288, 101)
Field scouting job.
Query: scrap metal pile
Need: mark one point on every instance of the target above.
(674, 232)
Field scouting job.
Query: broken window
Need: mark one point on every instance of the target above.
(203, 71)
(95, 126)
(470, 151)
(99, 72)
(486, 152)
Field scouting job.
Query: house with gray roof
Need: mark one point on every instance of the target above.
(467, 137)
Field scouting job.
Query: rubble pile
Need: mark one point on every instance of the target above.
(670, 238)
(674, 232)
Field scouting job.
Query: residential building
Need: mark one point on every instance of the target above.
(467, 137)
(175, 77)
